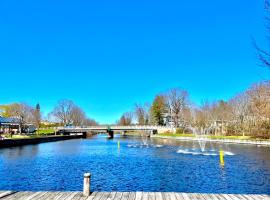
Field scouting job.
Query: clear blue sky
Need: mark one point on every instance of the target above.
(107, 55)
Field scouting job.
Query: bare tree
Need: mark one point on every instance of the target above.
(177, 100)
(77, 116)
(142, 114)
(259, 95)
(90, 122)
(69, 113)
(126, 119)
(240, 107)
(63, 111)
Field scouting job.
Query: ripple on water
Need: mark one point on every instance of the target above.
(204, 153)
(144, 146)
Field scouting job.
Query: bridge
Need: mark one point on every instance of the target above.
(111, 129)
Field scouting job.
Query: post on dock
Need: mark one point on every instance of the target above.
(86, 184)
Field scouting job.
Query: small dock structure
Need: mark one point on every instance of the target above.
(10, 195)
(87, 195)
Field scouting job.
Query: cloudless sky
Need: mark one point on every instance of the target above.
(106, 55)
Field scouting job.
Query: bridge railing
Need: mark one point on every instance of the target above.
(115, 127)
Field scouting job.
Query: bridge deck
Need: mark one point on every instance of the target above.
(10, 195)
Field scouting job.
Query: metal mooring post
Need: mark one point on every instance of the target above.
(86, 184)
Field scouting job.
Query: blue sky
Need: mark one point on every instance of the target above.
(108, 55)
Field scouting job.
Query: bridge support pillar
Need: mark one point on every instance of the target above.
(111, 134)
(153, 132)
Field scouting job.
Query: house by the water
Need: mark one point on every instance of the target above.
(9, 125)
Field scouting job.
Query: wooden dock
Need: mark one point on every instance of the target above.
(10, 195)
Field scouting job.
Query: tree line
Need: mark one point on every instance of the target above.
(65, 112)
(247, 113)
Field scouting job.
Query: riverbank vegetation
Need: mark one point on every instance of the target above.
(30, 121)
(246, 114)
(214, 137)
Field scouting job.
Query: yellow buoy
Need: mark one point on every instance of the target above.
(118, 144)
(221, 156)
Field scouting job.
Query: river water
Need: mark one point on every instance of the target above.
(140, 164)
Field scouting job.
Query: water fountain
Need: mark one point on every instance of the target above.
(201, 136)
(144, 139)
(201, 140)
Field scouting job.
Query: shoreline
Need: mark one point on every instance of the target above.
(30, 141)
(231, 141)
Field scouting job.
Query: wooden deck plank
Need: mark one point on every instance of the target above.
(158, 196)
(105, 196)
(172, 196)
(118, 196)
(244, 197)
(226, 197)
(151, 196)
(191, 196)
(65, 195)
(111, 196)
(125, 195)
(138, 196)
(179, 196)
(37, 195)
(208, 196)
(198, 196)
(50, 195)
(16, 195)
(72, 195)
(256, 197)
(78, 196)
(259, 197)
(91, 197)
(6, 193)
(185, 196)
(57, 196)
(218, 196)
(267, 197)
(145, 196)
(34, 195)
(10, 195)
(132, 196)
(98, 196)
(166, 196)
(233, 197)
(20, 195)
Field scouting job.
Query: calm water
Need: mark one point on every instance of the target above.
(161, 165)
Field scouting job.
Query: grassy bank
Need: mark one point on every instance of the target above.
(46, 132)
(214, 137)
(40, 133)
(176, 135)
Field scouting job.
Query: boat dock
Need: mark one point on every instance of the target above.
(11, 195)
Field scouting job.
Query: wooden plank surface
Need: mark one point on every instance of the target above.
(6, 193)
(10, 195)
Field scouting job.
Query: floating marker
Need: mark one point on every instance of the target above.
(221, 156)
(118, 144)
